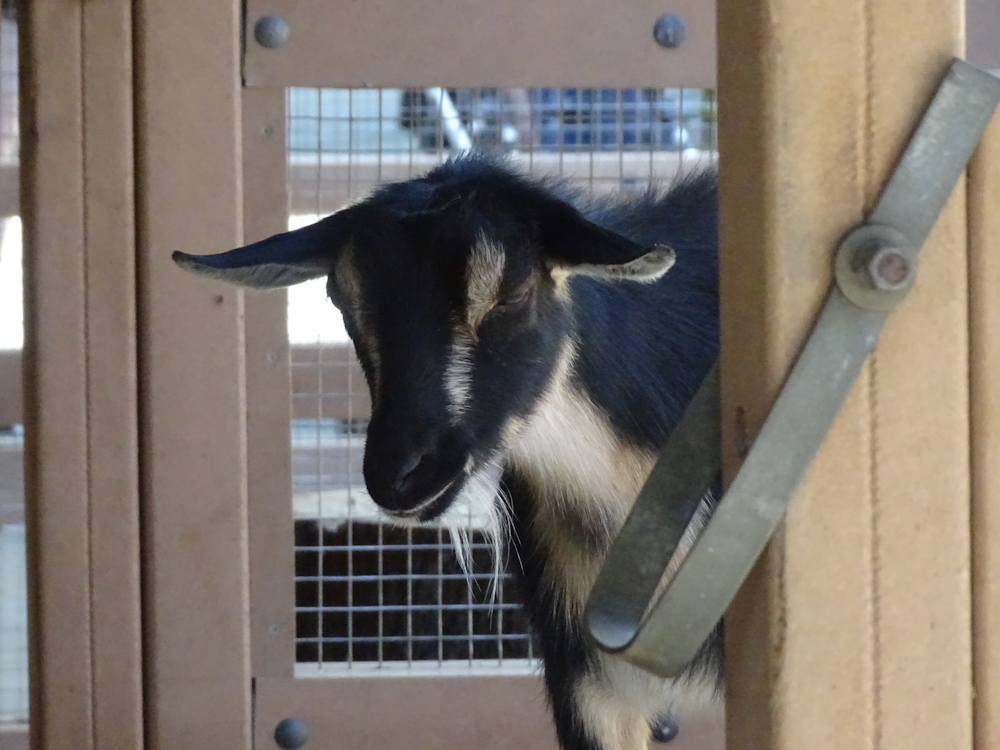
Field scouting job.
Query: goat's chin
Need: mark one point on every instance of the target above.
(479, 504)
(475, 504)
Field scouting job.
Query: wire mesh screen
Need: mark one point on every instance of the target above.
(367, 593)
(9, 133)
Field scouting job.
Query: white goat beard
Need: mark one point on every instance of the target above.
(481, 506)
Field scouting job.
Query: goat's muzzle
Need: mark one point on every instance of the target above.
(416, 475)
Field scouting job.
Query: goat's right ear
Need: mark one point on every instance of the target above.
(576, 246)
(282, 260)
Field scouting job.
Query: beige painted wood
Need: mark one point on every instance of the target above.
(81, 482)
(382, 713)
(109, 226)
(984, 329)
(56, 478)
(269, 463)
(337, 401)
(191, 361)
(854, 629)
(482, 43)
(378, 713)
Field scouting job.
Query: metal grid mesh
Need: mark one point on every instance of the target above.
(9, 133)
(369, 594)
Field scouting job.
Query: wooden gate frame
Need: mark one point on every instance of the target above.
(496, 711)
(134, 376)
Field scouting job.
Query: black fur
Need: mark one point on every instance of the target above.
(642, 349)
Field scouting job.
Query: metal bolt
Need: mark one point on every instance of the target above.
(291, 734)
(669, 31)
(875, 266)
(664, 729)
(271, 31)
(889, 269)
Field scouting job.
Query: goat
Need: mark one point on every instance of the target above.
(527, 353)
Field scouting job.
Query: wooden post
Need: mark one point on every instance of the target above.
(80, 397)
(854, 629)
(193, 427)
(269, 387)
(984, 343)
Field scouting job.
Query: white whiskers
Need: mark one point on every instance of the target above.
(481, 506)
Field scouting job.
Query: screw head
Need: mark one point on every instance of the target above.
(664, 729)
(669, 31)
(271, 31)
(291, 734)
(876, 266)
(890, 268)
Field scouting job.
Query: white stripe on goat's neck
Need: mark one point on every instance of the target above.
(577, 466)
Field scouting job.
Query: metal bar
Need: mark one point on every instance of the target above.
(706, 581)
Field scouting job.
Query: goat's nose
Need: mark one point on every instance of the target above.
(407, 472)
(402, 477)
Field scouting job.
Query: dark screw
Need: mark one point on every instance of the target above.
(291, 734)
(669, 31)
(890, 269)
(664, 729)
(271, 31)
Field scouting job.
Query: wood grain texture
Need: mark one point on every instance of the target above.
(191, 378)
(853, 630)
(984, 343)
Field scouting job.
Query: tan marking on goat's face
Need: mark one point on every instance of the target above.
(458, 370)
(483, 276)
(560, 284)
(345, 275)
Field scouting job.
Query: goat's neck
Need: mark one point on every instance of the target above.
(583, 479)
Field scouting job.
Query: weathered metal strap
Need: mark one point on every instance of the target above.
(665, 637)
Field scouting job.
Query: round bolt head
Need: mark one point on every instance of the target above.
(875, 267)
(670, 31)
(890, 269)
(664, 729)
(271, 31)
(291, 734)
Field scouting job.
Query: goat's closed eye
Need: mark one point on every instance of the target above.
(510, 303)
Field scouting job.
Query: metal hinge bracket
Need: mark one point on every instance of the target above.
(875, 266)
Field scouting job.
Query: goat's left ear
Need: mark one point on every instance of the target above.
(282, 260)
(575, 245)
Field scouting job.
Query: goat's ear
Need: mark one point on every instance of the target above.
(576, 246)
(282, 260)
